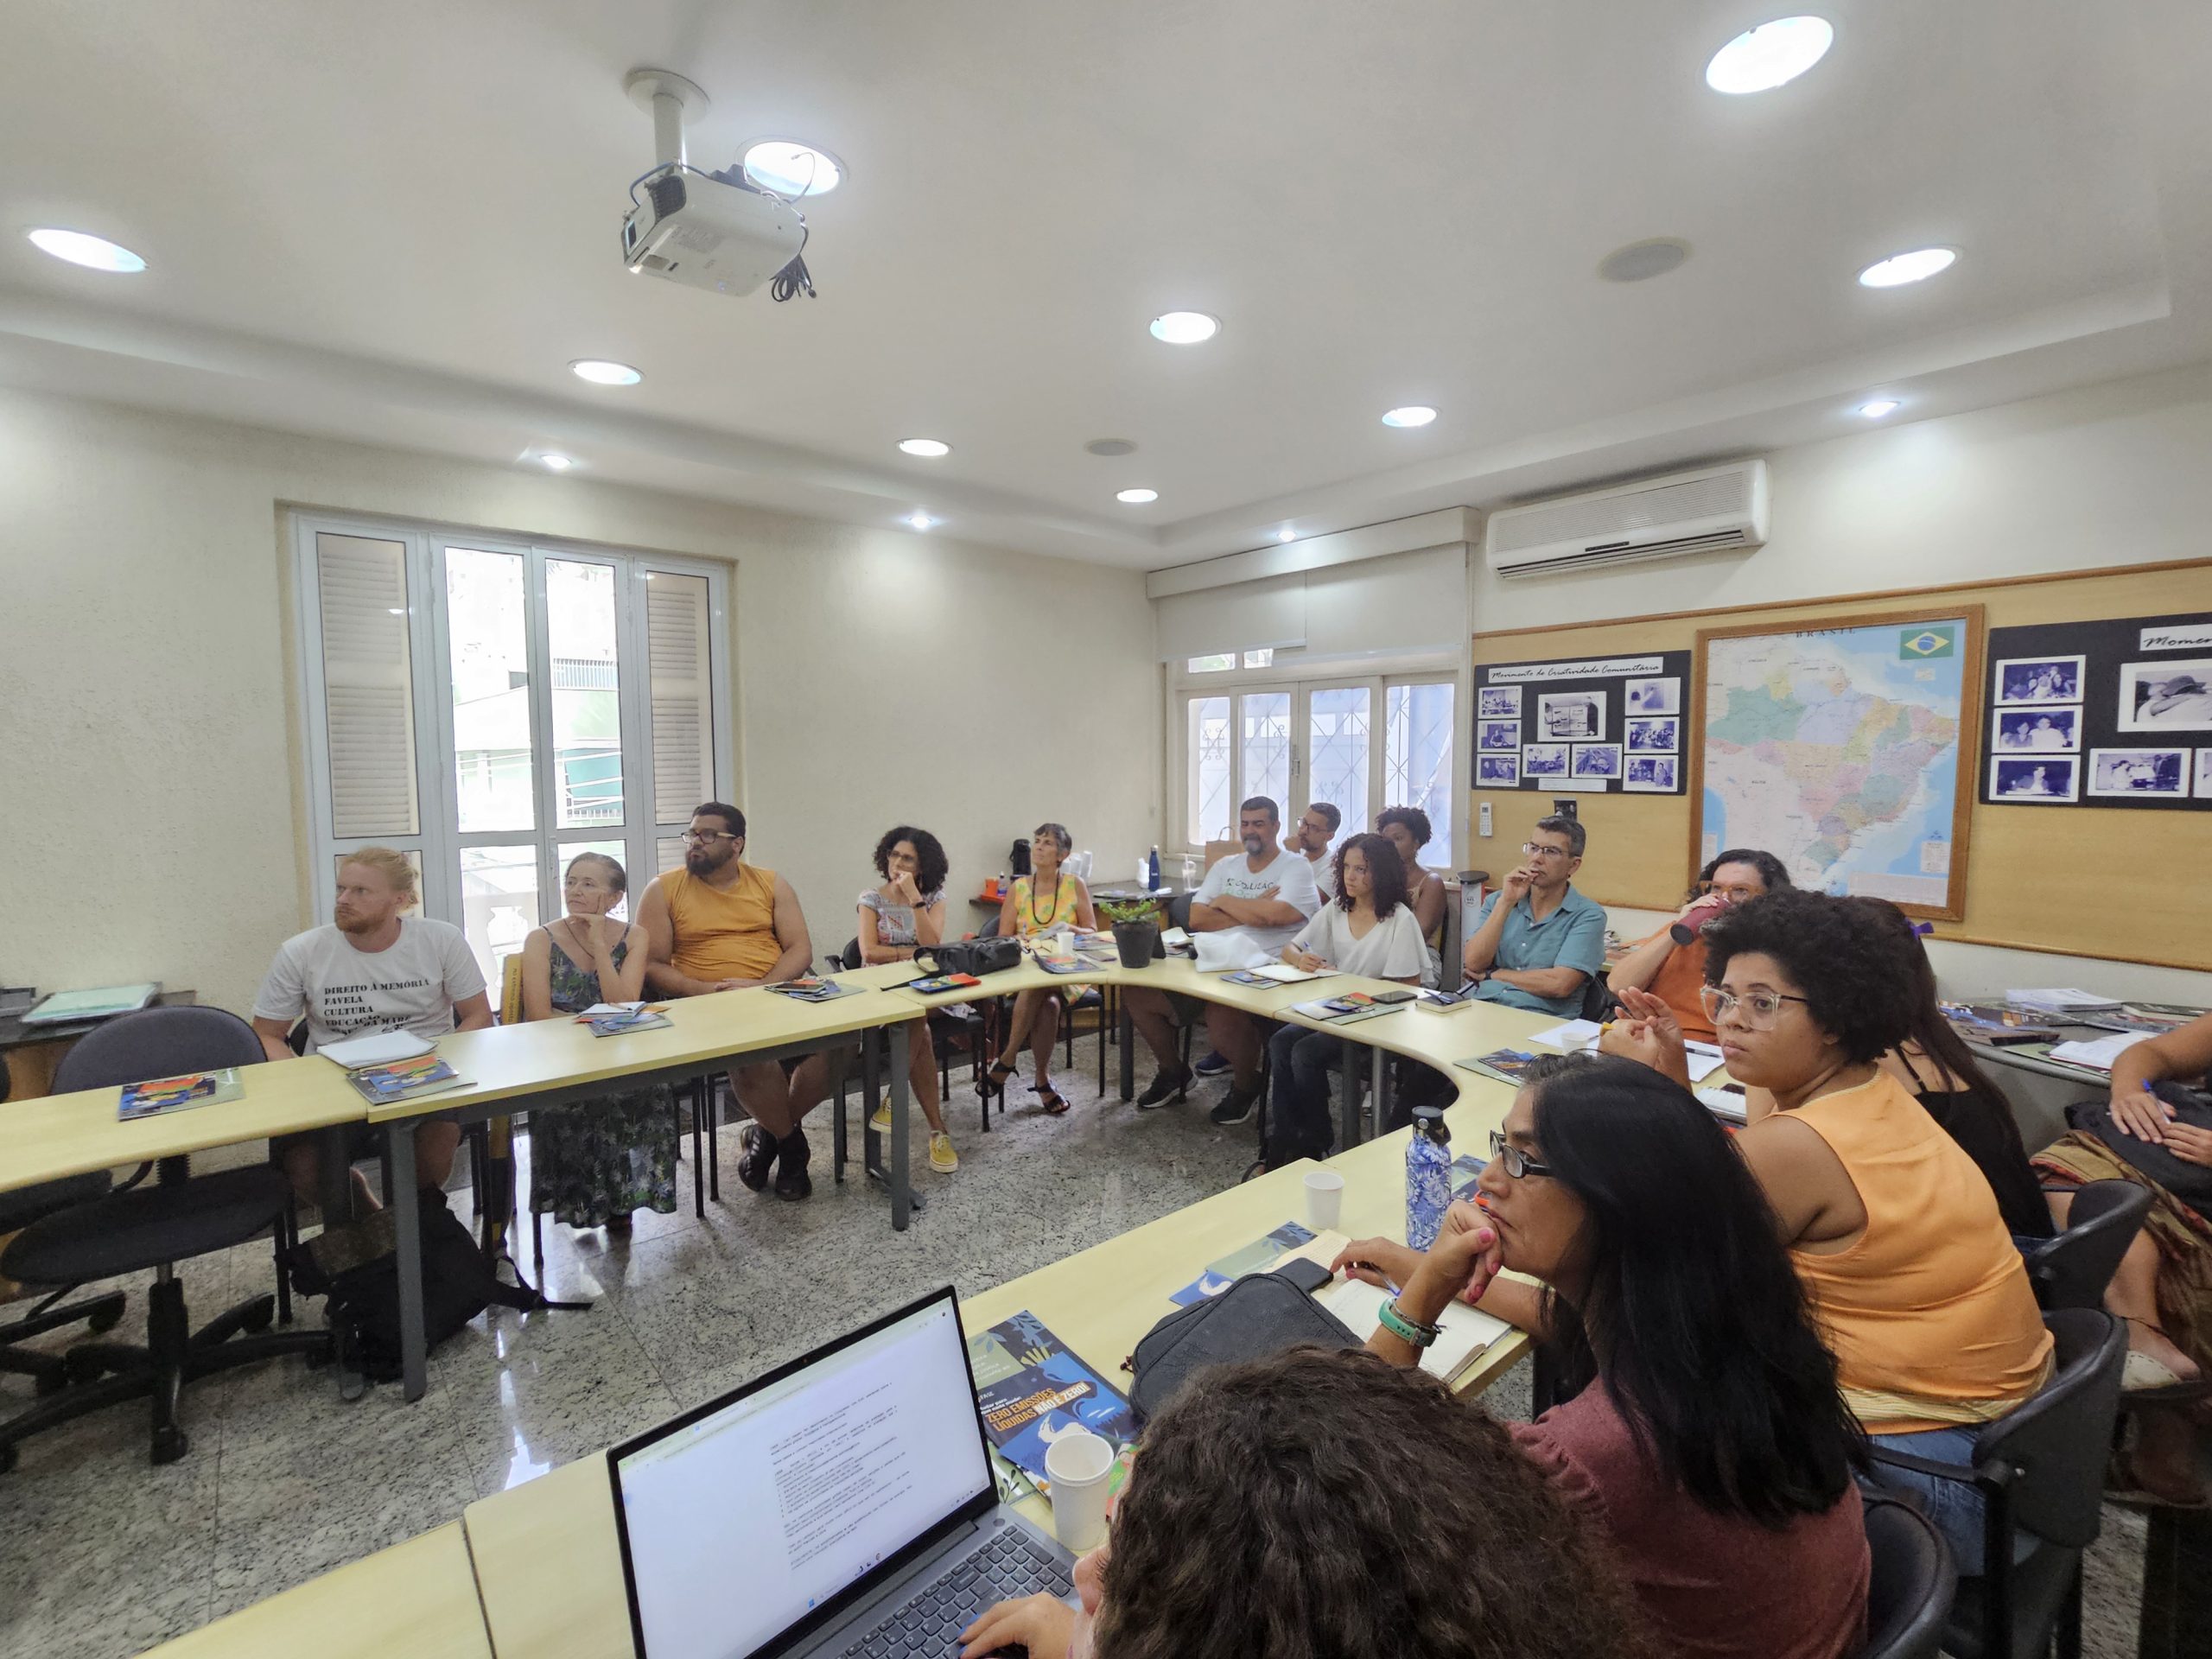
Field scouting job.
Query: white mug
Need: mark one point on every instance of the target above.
(1324, 1200)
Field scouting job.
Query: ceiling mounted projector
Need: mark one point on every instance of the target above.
(714, 230)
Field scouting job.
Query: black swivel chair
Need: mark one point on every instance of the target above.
(18, 1210)
(2073, 1269)
(178, 1217)
(1908, 1589)
(2039, 1469)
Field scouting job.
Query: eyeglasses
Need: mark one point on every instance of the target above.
(1536, 849)
(705, 837)
(1759, 1008)
(1518, 1163)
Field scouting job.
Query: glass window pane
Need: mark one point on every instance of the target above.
(613, 850)
(586, 702)
(1212, 664)
(498, 902)
(1265, 658)
(487, 638)
(1266, 747)
(368, 686)
(1417, 761)
(677, 619)
(1337, 737)
(1206, 749)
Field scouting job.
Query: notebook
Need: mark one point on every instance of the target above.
(376, 1048)
(1465, 1333)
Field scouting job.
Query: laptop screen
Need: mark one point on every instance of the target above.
(761, 1511)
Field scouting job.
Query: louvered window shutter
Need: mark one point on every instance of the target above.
(368, 687)
(677, 617)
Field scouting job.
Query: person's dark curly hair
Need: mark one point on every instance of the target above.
(929, 854)
(1771, 869)
(1324, 1504)
(1853, 972)
(1415, 820)
(1386, 874)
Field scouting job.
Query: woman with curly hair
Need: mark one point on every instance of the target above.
(1408, 829)
(907, 911)
(1329, 1506)
(1368, 929)
(1890, 1224)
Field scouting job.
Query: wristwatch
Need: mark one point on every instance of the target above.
(1405, 1329)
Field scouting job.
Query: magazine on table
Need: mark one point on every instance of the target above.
(161, 1094)
(423, 1074)
(1032, 1391)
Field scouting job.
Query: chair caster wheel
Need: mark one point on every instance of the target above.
(106, 1319)
(260, 1316)
(81, 1368)
(170, 1444)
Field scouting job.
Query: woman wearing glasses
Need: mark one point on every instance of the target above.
(1706, 1440)
(1047, 901)
(1674, 971)
(1892, 1227)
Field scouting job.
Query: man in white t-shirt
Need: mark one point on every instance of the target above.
(374, 969)
(1253, 904)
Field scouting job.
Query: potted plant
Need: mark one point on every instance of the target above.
(1136, 922)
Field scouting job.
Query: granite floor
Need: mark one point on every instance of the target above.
(102, 1555)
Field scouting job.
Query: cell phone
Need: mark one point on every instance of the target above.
(1401, 995)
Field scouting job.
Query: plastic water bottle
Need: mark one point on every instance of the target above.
(1429, 1176)
(1151, 872)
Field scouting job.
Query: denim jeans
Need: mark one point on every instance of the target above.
(1299, 1122)
(1955, 1506)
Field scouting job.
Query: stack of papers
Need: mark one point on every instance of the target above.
(1575, 1034)
(2098, 1055)
(64, 1006)
(1704, 1060)
(2064, 1000)
(1723, 1102)
(376, 1048)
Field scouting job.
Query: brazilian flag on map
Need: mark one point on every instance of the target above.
(1921, 643)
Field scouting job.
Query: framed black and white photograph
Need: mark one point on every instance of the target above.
(1660, 736)
(1498, 769)
(2175, 697)
(2038, 679)
(2204, 774)
(1500, 735)
(1544, 759)
(2036, 782)
(1658, 697)
(1501, 700)
(1563, 714)
(1650, 774)
(2139, 774)
(1596, 760)
(2039, 731)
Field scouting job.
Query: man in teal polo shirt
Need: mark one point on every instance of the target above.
(1538, 942)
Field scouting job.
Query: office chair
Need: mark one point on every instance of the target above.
(2040, 1469)
(18, 1210)
(178, 1216)
(2073, 1269)
(1908, 1587)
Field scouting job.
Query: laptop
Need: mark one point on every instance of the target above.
(840, 1506)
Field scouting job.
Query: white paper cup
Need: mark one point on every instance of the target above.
(1076, 1466)
(1324, 1200)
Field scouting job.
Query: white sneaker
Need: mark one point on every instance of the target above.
(942, 1158)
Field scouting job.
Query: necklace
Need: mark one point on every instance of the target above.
(1043, 920)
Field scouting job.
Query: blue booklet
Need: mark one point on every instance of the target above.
(1032, 1391)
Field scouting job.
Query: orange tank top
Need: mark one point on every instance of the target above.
(1928, 1311)
(723, 933)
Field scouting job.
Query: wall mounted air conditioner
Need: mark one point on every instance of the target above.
(1653, 519)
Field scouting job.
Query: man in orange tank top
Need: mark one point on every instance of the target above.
(722, 924)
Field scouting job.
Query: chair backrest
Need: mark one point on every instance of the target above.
(990, 929)
(511, 990)
(2058, 1442)
(2073, 1269)
(1908, 1589)
(1597, 998)
(157, 1043)
(1178, 911)
(849, 957)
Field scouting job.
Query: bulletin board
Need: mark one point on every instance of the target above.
(1601, 724)
(2098, 882)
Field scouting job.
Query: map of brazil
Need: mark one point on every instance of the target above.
(1837, 751)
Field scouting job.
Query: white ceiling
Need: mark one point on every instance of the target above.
(397, 222)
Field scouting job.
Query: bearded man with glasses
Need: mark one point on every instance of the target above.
(1538, 943)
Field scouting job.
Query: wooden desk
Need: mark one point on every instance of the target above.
(416, 1600)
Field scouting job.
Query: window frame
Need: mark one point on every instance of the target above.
(439, 839)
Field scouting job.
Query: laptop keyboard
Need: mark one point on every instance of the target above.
(1008, 1563)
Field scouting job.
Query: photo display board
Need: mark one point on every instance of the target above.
(1611, 725)
(2111, 712)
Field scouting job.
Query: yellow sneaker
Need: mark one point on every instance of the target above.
(942, 1158)
(882, 1118)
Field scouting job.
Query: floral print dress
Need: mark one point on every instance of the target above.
(601, 1159)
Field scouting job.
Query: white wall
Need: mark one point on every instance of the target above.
(149, 797)
(2113, 474)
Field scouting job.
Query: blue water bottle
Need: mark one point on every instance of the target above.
(1429, 1176)
(1151, 872)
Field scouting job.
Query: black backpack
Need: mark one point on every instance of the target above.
(356, 1268)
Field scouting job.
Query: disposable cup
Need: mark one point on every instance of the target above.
(1076, 1466)
(1324, 1200)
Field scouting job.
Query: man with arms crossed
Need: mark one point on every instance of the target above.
(1538, 942)
(721, 924)
(374, 969)
(1261, 897)
(1309, 837)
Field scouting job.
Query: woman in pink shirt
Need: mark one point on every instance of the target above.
(1707, 1440)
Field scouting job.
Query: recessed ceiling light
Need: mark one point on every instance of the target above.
(601, 372)
(1876, 408)
(93, 252)
(1761, 59)
(1639, 262)
(919, 519)
(1135, 498)
(792, 169)
(930, 447)
(1902, 268)
(554, 463)
(1286, 535)
(1411, 415)
(1185, 328)
(1110, 447)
